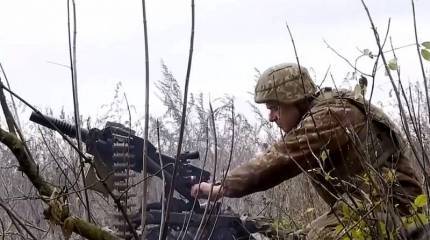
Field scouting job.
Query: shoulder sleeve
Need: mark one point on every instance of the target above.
(323, 128)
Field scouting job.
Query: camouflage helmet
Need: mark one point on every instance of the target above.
(282, 83)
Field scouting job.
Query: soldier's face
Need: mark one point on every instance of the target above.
(286, 116)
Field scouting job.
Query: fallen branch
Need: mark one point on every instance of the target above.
(56, 213)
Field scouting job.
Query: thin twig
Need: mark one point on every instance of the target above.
(420, 58)
(73, 71)
(345, 59)
(196, 201)
(163, 178)
(182, 128)
(325, 76)
(126, 203)
(204, 219)
(228, 166)
(145, 145)
(375, 65)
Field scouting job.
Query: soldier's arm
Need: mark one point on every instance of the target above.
(326, 128)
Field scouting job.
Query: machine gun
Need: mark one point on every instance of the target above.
(117, 150)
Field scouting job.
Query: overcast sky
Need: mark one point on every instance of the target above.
(231, 39)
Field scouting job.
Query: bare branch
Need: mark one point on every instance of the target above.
(145, 146)
(73, 71)
(184, 110)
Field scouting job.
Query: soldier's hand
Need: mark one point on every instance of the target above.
(203, 190)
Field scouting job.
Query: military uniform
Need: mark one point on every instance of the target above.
(351, 151)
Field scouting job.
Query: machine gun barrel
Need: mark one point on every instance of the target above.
(52, 123)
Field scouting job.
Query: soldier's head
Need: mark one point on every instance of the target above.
(286, 89)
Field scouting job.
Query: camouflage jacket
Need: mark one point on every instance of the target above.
(344, 145)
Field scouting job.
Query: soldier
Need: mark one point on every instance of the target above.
(353, 154)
